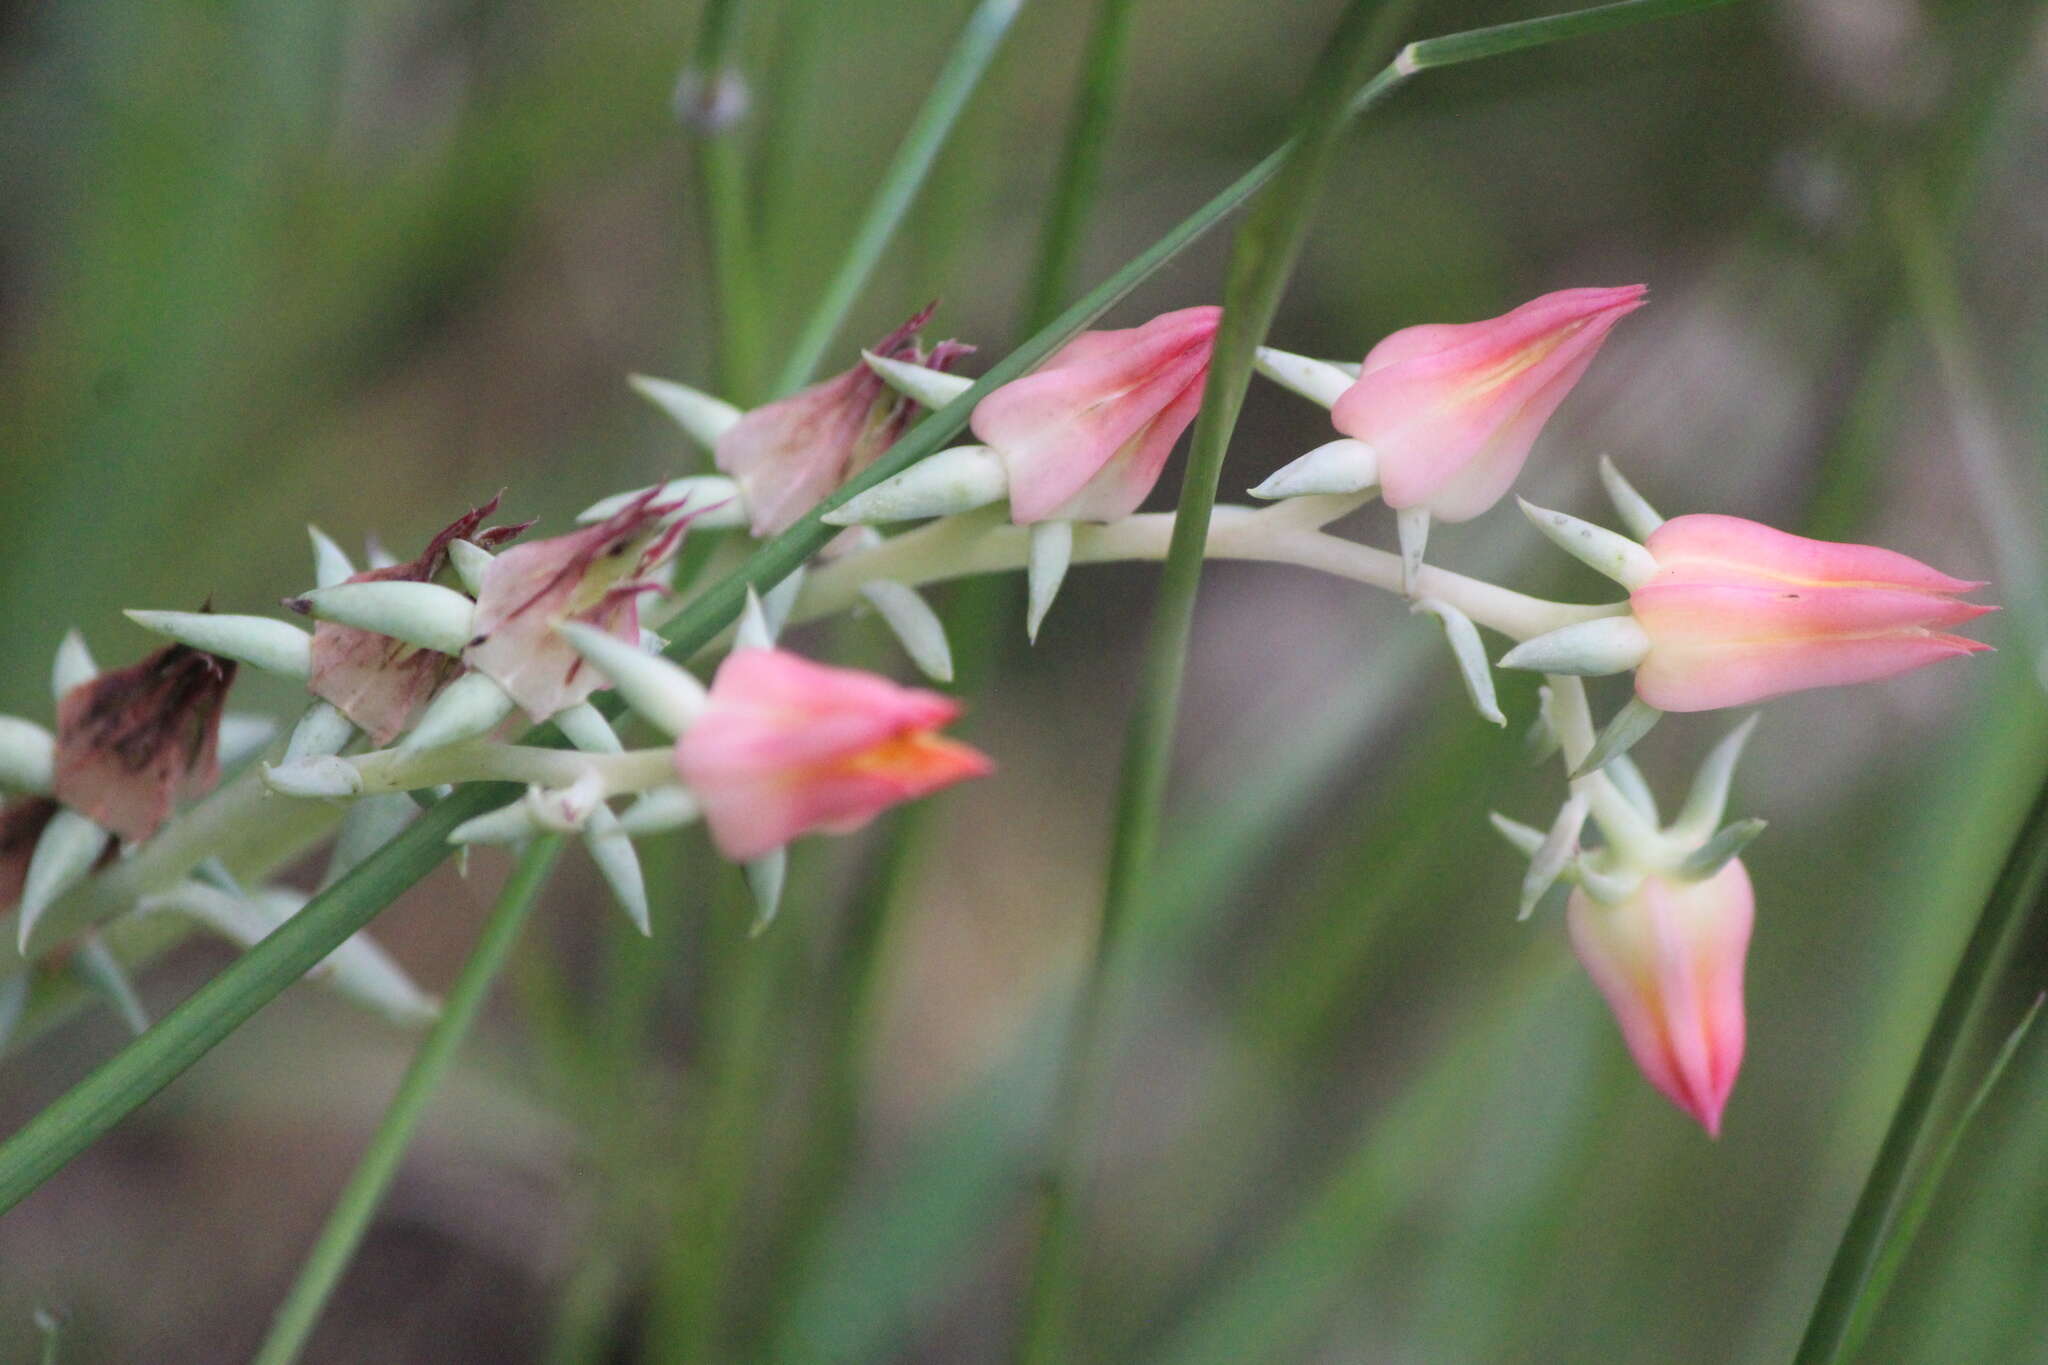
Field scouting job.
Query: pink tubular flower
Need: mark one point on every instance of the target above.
(786, 746)
(596, 575)
(132, 741)
(1451, 409)
(379, 683)
(788, 455)
(1084, 438)
(1669, 961)
(1737, 612)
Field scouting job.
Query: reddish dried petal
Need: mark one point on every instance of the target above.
(130, 742)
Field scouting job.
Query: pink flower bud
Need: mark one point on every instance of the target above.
(786, 746)
(379, 683)
(132, 741)
(1084, 438)
(596, 576)
(1669, 960)
(1451, 409)
(1737, 612)
(21, 827)
(788, 455)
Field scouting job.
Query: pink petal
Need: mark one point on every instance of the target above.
(1722, 549)
(1452, 410)
(1119, 398)
(1670, 962)
(787, 746)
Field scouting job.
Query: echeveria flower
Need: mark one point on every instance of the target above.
(1085, 437)
(596, 576)
(1669, 960)
(132, 741)
(1737, 612)
(379, 683)
(786, 746)
(788, 455)
(1452, 409)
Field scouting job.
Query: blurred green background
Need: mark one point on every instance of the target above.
(365, 265)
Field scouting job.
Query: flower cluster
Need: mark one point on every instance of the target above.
(418, 669)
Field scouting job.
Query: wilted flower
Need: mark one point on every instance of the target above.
(788, 455)
(1737, 612)
(1669, 960)
(596, 575)
(1085, 437)
(379, 683)
(132, 741)
(786, 746)
(1451, 409)
(21, 825)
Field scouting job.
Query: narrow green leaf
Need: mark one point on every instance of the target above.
(124, 1081)
(1262, 260)
(1080, 168)
(1919, 1197)
(970, 58)
(1844, 1303)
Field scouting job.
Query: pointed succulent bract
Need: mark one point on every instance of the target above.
(379, 683)
(1669, 959)
(788, 455)
(595, 576)
(786, 746)
(1085, 437)
(1451, 409)
(131, 741)
(1737, 612)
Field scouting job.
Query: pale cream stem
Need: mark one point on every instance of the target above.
(980, 542)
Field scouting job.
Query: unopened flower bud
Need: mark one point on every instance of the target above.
(1669, 960)
(786, 746)
(1084, 438)
(1738, 612)
(1453, 409)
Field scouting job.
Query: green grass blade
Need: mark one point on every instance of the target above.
(722, 184)
(1524, 34)
(970, 58)
(124, 1081)
(343, 1233)
(1261, 263)
(1846, 1296)
(1080, 169)
(1919, 1198)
